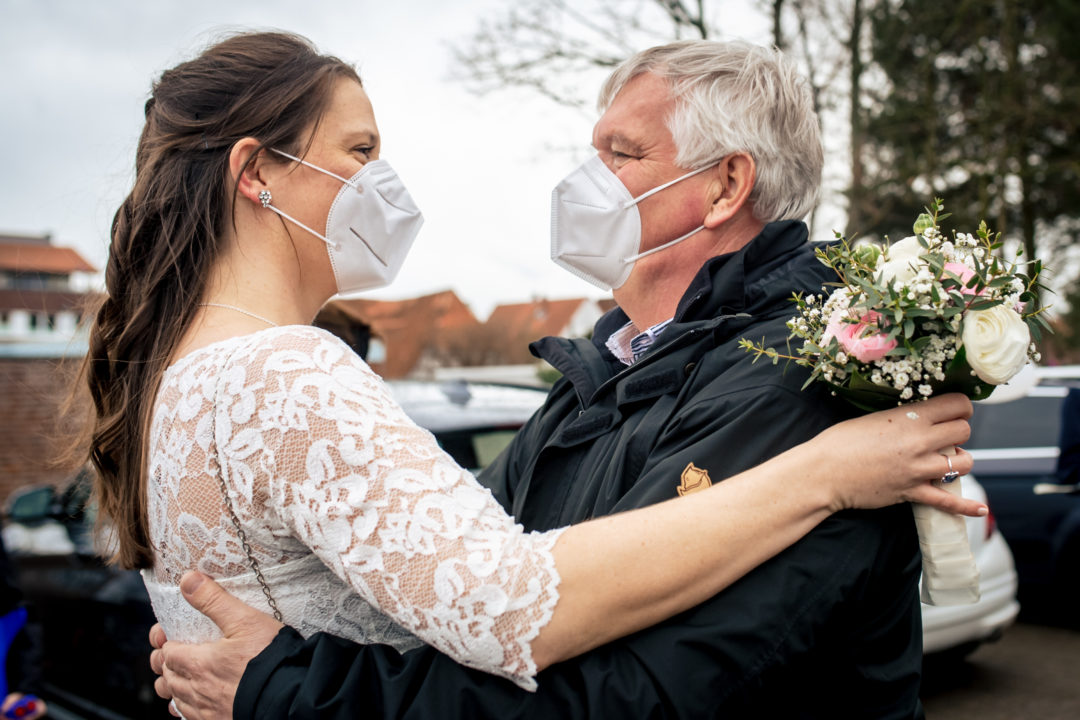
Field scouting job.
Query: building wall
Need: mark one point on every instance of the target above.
(37, 326)
(31, 393)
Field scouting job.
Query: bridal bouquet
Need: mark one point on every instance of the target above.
(926, 315)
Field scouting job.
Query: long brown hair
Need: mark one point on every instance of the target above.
(167, 234)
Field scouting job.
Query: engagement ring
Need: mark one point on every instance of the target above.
(952, 475)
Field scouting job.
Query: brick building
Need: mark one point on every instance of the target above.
(33, 386)
(40, 346)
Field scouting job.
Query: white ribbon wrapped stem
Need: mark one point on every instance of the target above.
(950, 576)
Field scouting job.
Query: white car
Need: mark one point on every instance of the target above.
(959, 629)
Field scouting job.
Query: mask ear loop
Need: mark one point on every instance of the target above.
(288, 217)
(264, 197)
(347, 181)
(665, 186)
(639, 198)
(666, 245)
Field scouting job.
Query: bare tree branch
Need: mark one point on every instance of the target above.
(548, 45)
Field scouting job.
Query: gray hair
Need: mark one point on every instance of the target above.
(737, 97)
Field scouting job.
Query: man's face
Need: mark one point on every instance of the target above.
(633, 140)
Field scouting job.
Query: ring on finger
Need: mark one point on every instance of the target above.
(172, 706)
(952, 475)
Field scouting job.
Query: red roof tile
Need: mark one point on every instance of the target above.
(409, 328)
(522, 323)
(29, 257)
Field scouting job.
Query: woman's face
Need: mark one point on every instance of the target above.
(343, 142)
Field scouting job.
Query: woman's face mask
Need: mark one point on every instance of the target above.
(371, 226)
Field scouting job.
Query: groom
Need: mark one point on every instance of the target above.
(661, 401)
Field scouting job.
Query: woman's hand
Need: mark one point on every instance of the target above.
(891, 456)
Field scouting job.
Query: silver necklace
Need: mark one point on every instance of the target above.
(271, 323)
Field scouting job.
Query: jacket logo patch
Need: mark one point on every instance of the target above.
(694, 479)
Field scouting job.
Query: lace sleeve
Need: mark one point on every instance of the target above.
(389, 512)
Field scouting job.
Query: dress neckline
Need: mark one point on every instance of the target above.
(187, 358)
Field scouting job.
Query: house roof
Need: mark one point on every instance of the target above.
(34, 257)
(522, 323)
(48, 301)
(408, 327)
(536, 319)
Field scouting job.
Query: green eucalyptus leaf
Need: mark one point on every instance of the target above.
(984, 304)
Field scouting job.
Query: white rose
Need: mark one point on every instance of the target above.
(996, 341)
(901, 261)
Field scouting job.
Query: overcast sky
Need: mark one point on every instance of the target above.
(75, 75)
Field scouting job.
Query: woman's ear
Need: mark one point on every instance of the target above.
(734, 181)
(246, 162)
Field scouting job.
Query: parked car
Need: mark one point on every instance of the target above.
(1015, 442)
(956, 630)
(96, 618)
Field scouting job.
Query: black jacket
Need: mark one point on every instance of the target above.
(830, 628)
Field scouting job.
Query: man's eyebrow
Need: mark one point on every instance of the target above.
(625, 142)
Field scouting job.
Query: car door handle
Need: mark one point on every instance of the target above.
(1055, 489)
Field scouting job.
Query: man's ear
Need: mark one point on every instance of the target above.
(735, 176)
(246, 163)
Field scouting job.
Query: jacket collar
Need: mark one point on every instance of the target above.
(737, 282)
(732, 283)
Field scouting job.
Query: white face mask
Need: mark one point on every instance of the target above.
(596, 227)
(370, 228)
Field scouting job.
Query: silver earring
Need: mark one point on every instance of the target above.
(264, 198)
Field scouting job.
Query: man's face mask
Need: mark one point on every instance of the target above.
(371, 225)
(596, 227)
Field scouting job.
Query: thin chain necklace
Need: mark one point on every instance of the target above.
(271, 323)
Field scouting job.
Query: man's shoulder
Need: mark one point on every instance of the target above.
(730, 368)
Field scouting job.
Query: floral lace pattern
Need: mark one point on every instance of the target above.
(361, 524)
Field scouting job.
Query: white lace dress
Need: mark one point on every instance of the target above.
(362, 526)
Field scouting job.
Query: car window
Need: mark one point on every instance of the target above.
(475, 448)
(1026, 422)
(31, 505)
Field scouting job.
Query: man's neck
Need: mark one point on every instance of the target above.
(652, 292)
(647, 309)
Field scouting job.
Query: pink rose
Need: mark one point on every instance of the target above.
(863, 340)
(965, 273)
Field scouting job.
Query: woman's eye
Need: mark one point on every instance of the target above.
(365, 150)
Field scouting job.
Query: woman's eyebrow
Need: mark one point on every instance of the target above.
(366, 137)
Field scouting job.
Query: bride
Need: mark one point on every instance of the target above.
(232, 437)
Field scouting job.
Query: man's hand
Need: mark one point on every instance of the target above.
(202, 679)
